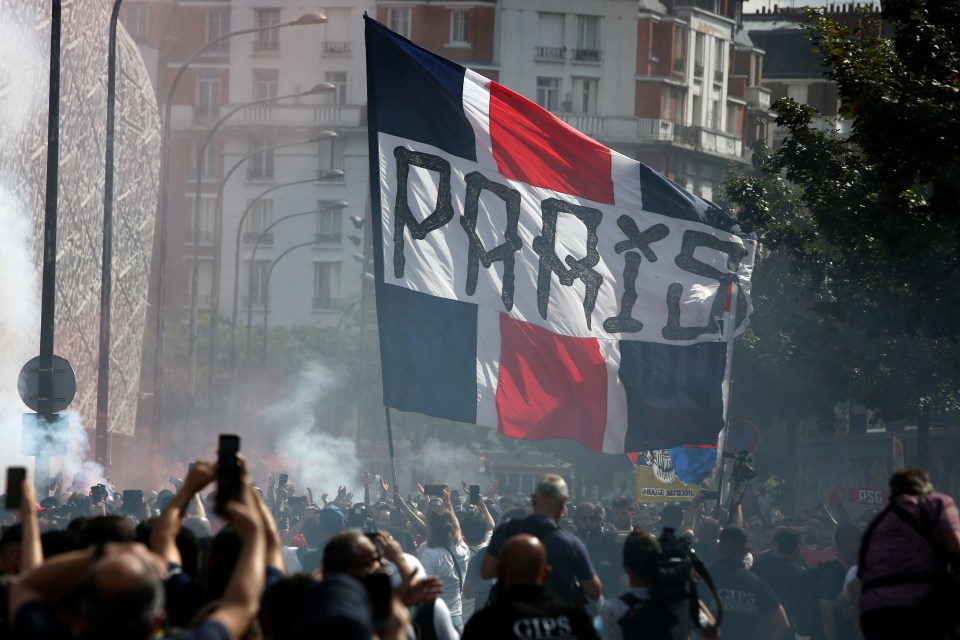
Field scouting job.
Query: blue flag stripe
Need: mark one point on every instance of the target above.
(431, 345)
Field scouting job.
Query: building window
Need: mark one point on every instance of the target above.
(266, 83)
(208, 94)
(218, 25)
(585, 92)
(718, 60)
(329, 224)
(209, 169)
(206, 213)
(257, 282)
(339, 80)
(698, 56)
(713, 118)
(260, 165)
(550, 36)
(588, 39)
(548, 93)
(326, 284)
(136, 18)
(680, 49)
(259, 218)
(330, 155)
(204, 282)
(268, 40)
(399, 20)
(458, 26)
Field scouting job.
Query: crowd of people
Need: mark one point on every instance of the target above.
(457, 562)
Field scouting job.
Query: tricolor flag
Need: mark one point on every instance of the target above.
(533, 281)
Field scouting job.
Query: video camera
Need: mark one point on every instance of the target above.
(678, 575)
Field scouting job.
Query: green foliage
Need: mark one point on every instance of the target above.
(859, 285)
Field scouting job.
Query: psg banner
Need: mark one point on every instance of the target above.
(533, 281)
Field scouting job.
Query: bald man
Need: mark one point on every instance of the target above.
(526, 609)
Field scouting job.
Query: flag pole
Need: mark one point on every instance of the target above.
(393, 458)
(730, 331)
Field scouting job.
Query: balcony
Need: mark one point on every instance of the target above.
(205, 237)
(758, 97)
(256, 300)
(585, 55)
(327, 238)
(299, 115)
(250, 238)
(717, 76)
(551, 53)
(325, 303)
(336, 47)
(698, 70)
(652, 130)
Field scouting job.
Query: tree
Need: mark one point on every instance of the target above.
(875, 243)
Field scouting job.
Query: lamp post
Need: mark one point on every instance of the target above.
(195, 276)
(339, 204)
(266, 295)
(326, 175)
(102, 433)
(310, 18)
(323, 135)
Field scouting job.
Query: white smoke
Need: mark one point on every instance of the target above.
(20, 51)
(312, 458)
(450, 464)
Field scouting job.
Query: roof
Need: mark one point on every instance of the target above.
(788, 51)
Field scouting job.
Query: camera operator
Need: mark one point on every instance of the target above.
(643, 612)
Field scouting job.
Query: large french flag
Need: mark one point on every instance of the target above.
(530, 279)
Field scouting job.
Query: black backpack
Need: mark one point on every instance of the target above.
(646, 619)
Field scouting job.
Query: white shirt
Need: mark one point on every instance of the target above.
(438, 561)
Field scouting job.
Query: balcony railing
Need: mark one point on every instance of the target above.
(718, 76)
(642, 130)
(260, 174)
(206, 237)
(327, 238)
(697, 70)
(250, 237)
(336, 47)
(324, 302)
(299, 115)
(253, 301)
(585, 55)
(551, 53)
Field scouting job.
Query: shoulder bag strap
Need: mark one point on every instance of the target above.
(456, 567)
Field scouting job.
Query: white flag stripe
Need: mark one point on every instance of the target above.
(488, 366)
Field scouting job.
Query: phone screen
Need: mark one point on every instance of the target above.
(15, 478)
(380, 593)
(132, 501)
(229, 482)
(433, 490)
(474, 494)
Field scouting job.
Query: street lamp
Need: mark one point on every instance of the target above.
(195, 276)
(323, 175)
(339, 204)
(266, 298)
(323, 135)
(310, 18)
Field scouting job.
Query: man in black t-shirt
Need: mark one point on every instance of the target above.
(527, 609)
(606, 553)
(749, 606)
(782, 571)
(572, 576)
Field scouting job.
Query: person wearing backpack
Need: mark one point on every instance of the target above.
(907, 590)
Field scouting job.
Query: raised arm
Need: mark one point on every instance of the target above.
(31, 552)
(163, 539)
(241, 599)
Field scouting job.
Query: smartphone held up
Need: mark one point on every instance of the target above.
(15, 478)
(229, 477)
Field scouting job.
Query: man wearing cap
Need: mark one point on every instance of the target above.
(750, 609)
(573, 577)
